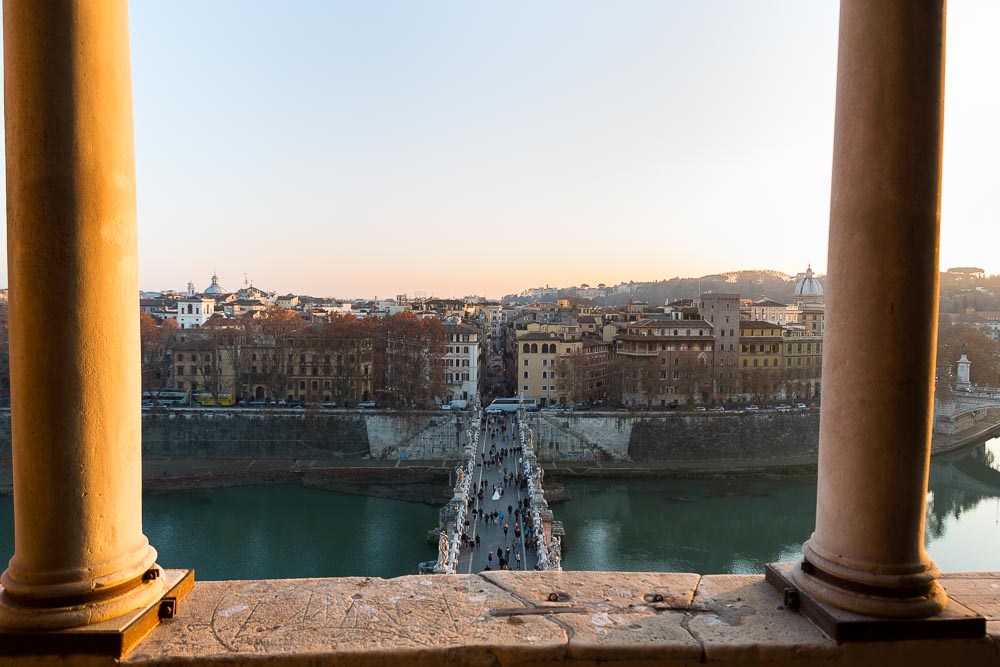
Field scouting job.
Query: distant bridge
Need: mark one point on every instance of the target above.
(974, 400)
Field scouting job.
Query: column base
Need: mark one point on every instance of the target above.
(953, 622)
(114, 637)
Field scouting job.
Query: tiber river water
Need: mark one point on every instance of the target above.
(681, 525)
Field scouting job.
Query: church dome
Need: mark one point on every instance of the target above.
(215, 287)
(808, 286)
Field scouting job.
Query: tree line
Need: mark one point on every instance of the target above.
(397, 361)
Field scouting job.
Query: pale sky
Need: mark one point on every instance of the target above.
(374, 148)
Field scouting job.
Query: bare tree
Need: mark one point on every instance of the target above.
(570, 380)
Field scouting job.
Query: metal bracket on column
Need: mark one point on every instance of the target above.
(112, 638)
(955, 622)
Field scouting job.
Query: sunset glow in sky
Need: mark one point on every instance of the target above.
(375, 148)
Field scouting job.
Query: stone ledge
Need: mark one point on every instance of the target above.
(591, 617)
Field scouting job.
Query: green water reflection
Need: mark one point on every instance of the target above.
(707, 526)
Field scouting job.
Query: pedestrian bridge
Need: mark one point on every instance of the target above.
(498, 517)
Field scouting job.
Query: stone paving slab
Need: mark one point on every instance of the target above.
(979, 591)
(625, 616)
(603, 591)
(303, 617)
(743, 618)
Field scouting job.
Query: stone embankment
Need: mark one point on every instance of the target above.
(405, 454)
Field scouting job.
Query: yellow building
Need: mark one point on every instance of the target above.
(802, 360)
(760, 360)
(538, 348)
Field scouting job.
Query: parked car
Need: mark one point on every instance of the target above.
(328, 404)
(783, 407)
(717, 408)
(700, 408)
(751, 408)
(366, 404)
(800, 406)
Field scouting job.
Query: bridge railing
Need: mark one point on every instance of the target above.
(451, 544)
(549, 551)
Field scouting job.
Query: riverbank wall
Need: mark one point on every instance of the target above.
(610, 443)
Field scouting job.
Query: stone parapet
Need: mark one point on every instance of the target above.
(580, 618)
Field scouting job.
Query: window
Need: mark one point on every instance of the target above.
(180, 370)
(525, 362)
(527, 348)
(545, 375)
(525, 375)
(534, 348)
(302, 384)
(525, 387)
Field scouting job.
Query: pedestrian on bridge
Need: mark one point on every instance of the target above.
(489, 561)
(477, 540)
(505, 527)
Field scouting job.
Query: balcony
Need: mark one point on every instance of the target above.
(82, 567)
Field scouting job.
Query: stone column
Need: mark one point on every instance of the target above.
(80, 556)
(867, 553)
(962, 383)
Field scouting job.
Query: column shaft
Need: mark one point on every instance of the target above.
(79, 551)
(882, 290)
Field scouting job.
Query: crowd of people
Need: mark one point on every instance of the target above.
(500, 472)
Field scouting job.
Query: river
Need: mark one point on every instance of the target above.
(682, 525)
